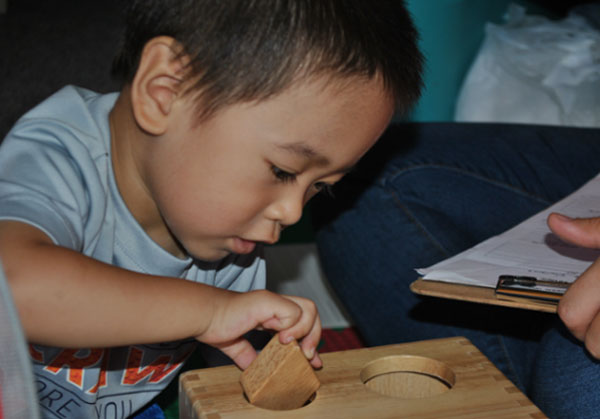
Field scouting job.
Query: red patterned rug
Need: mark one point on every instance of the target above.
(333, 340)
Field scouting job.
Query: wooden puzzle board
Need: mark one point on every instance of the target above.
(478, 389)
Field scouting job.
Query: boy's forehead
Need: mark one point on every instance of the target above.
(335, 84)
(308, 119)
(326, 86)
(323, 87)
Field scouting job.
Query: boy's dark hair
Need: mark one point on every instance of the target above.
(246, 50)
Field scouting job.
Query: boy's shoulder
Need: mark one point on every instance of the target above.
(71, 103)
(71, 117)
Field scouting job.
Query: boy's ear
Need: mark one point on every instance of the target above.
(157, 84)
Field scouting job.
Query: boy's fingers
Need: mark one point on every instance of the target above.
(278, 322)
(310, 342)
(583, 232)
(293, 317)
(279, 314)
(308, 316)
(580, 305)
(316, 361)
(307, 329)
(240, 351)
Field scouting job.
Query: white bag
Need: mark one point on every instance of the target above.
(535, 70)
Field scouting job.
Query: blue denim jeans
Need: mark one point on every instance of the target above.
(428, 191)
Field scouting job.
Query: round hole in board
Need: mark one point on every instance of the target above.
(407, 376)
(268, 407)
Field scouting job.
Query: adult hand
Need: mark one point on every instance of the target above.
(579, 308)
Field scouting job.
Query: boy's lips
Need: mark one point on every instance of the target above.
(242, 246)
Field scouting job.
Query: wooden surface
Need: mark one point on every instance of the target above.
(280, 378)
(462, 383)
(474, 294)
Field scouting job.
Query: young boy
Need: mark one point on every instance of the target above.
(233, 114)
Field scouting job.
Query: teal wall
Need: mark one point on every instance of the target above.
(451, 33)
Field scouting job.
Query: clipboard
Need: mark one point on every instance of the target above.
(475, 294)
(526, 249)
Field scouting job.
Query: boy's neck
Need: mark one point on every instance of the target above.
(127, 160)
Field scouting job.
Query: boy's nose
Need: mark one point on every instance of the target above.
(286, 211)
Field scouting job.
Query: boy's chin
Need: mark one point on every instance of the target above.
(209, 254)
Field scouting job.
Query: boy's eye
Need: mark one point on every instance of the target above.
(325, 188)
(282, 175)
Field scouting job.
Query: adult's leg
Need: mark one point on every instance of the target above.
(428, 191)
(565, 378)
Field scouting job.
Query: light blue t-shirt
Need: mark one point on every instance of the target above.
(56, 174)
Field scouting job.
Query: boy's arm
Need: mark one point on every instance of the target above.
(66, 299)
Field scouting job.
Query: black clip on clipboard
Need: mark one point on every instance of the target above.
(514, 287)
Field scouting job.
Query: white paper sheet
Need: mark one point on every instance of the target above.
(529, 248)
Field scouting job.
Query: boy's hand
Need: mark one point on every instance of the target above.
(237, 313)
(579, 308)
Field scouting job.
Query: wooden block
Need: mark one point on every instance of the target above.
(441, 378)
(280, 378)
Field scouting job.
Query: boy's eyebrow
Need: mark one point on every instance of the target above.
(310, 153)
(305, 151)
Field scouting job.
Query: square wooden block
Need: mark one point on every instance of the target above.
(280, 378)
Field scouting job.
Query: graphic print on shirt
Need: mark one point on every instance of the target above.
(70, 382)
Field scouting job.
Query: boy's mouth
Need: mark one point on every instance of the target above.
(242, 246)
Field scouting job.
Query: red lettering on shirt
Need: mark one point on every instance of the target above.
(68, 359)
(35, 354)
(101, 377)
(158, 369)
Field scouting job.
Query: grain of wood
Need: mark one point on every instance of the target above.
(280, 378)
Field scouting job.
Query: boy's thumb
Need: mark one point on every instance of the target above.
(240, 351)
(583, 232)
